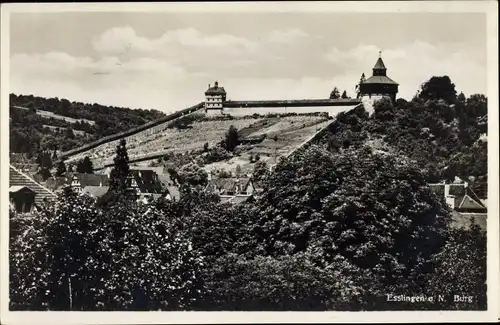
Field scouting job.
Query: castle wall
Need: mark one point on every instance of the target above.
(369, 101)
(245, 111)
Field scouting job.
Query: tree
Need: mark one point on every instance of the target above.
(191, 176)
(461, 97)
(72, 256)
(344, 95)
(85, 166)
(333, 144)
(461, 269)
(358, 86)
(61, 168)
(260, 170)
(43, 160)
(238, 171)
(439, 88)
(45, 173)
(69, 133)
(120, 172)
(335, 94)
(232, 139)
(346, 205)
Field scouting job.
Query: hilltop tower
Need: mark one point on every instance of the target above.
(214, 99)
(379, 85)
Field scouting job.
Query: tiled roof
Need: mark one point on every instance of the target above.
(18, 178)
(17, 188)
(380, 80)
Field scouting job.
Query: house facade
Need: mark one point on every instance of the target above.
(214, 99)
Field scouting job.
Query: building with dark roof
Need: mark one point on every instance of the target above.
(214, 99)
(145, 182)
(77, 181)
(379, 84)
(25, 193)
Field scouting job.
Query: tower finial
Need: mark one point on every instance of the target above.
(379, 53)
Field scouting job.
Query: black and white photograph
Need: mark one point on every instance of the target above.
(238, 157)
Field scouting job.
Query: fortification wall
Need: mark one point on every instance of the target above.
(262, 110)
(151, 127)
(369, 101)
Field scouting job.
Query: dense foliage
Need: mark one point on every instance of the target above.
(445, 140)
(74, 256)
(29, 132)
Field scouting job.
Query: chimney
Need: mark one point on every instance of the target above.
(216, 84)
(450, 199)
(208, 86)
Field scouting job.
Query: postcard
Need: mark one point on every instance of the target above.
(256, 162)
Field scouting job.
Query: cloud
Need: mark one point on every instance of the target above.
(172, 71)
(286, 36)
(117, 40)
(413, 63)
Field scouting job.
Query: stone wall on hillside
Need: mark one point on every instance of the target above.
(244, 111)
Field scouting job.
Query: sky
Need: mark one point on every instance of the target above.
(166, 61)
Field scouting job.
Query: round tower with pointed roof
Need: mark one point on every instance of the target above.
(379, 85)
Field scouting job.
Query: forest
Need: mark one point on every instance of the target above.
(338, 226)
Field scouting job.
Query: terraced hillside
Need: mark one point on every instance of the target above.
(281, 135)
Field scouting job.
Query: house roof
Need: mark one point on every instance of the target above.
(215, 90)
(55, 183)
(88, 179)
(165, 179)
(464, 197)
(18, 178)
(380, 80)
(147, 181)
(379, 65)
(469, 203)
(225, 185)
(18, 188)
(174, 192)
(95, 191)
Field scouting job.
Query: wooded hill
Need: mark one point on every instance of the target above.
(31, 133)
(442, 133)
